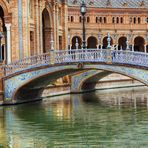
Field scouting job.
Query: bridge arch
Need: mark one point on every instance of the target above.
(78, 40)
(34, 80)
(92, 42)
(139, 44)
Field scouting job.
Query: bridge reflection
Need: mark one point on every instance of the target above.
(59, 116)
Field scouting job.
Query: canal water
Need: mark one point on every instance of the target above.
(103, 119)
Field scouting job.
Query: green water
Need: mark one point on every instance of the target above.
(105, 119)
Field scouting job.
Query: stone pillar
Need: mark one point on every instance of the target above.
(145, 48)
(54, 27)
(132, 47)
(8, 27)
(36, 16)
(57, 27)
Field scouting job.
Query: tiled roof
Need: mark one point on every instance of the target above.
(111, 3)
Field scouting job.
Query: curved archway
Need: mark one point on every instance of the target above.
(47, 30)
(5, 7)
(122, 43)
(76, 39)
(139, 44)
(92, 42)
(36, 78)
(147, 48)
(105, 43)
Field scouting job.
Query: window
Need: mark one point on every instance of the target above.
(134, 20)
(121, 20)
(105, 20)
(72, 19)
(117, 20)
(80, 19)
(113, 20)
(100, 19)
(139, 20)
(88, 19)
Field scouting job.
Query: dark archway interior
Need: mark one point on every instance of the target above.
(105, 43)
(139, 44)
(3, 31)
(46, 31)
(147, 48)
(2, 18)
(76, 39)
(122, 43)
(92, 42)
(91, 82)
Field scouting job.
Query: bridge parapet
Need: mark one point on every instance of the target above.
(75, 56)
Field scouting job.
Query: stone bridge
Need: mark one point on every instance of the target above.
(26, 79)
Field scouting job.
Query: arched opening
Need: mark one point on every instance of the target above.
(147, 48)
(121, 20)
(117, 20)
(122, 43)
(76, 42)
(91, 42)
(105, 20)
(105, 43)
(88, 19)
(139, 44)
(46, 30)
(2, 35)
(134, 20)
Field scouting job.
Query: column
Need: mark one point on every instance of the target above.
(132, 47)
(145, 48)
(8, 43)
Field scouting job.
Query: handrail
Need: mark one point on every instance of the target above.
(79, 55)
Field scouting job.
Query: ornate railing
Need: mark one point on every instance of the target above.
(87, 55)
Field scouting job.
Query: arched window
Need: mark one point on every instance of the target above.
(96, 19)
(139, 20)
(121, 20)
(80, 19)
(68, 18)
(105, 20)
(134, 20)
(113, 20)
(88, 19)
(117, 20)
(100, 19)
(72, 19)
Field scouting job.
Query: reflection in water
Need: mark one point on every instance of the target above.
(110, 118)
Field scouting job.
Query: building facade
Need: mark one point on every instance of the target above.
(31, 27)
(28, 26)
(125, 21)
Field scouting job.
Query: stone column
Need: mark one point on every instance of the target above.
(132, 47)
(36, 16)
(145, 48)
(8, 43)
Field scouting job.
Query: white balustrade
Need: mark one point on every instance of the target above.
(80, 55)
